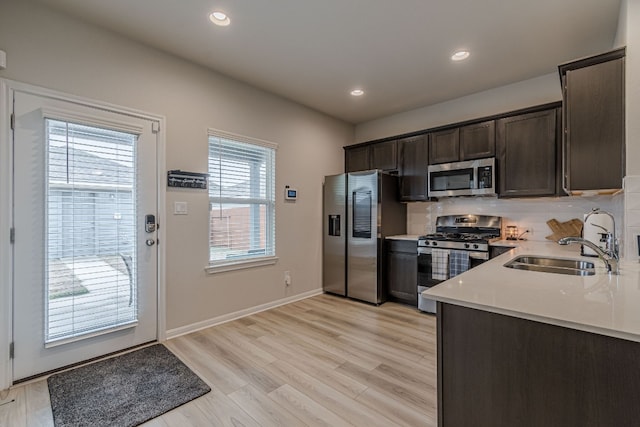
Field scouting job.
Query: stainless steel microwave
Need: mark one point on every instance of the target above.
(470, 178)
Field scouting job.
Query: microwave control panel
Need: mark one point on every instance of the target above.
(485, 176)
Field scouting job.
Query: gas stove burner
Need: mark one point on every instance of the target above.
(457, 237)
(456, 232)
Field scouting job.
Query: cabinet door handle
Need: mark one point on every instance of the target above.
(566, 179)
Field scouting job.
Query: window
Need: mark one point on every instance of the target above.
(90, 256)
(241, 199)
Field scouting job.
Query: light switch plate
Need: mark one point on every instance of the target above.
(180, 208)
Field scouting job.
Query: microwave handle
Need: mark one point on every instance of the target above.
(476, 184)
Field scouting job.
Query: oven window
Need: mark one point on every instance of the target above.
(459, 179)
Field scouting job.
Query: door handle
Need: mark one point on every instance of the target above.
(150, 242)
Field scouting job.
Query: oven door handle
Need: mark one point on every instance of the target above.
(474, 255)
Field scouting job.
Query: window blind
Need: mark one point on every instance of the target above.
(90, 250)
(242, 198)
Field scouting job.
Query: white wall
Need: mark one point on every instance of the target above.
(48, 49)
(536, 91)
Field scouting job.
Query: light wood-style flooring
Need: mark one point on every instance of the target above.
(323, 361)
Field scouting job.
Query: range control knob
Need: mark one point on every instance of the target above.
(475, 246)
(435, 243)
(466, 245)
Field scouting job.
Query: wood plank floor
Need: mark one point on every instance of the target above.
(323, 361)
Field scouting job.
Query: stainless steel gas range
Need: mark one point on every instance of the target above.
(460, 242)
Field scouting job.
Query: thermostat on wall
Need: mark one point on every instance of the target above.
(290, 193)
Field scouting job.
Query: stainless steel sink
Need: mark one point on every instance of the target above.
(572, 267)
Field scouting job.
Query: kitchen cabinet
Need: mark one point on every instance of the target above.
(384, 156)
(477, 141)
(402, 271)
(527, 154)
(444, 146)
(496, 370)
(494, 251)
(414, 158)
(474, 141)
(381, 155)
(356, 158)
(593, 95)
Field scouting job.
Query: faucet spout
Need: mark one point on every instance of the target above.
(610, 259)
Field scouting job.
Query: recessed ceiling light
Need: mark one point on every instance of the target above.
(220, 18)
(460, 55)
(357, 92)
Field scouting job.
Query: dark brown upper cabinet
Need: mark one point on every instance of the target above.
(357, 158)
(444, 146)
(594, 148)
(478, 141)
(414, 158)
(527, 154)
(381, 155)
(475, 141)
(384, 156)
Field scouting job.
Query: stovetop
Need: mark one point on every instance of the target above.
(460, 237)
(464, 232)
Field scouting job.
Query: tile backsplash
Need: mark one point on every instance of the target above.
(526, 214)
(631, 216)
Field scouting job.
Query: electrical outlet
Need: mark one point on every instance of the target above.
(287, 278)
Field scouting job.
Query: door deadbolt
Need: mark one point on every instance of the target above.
(150, 242)
(149, 223)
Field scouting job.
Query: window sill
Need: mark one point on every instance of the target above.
(240, 265)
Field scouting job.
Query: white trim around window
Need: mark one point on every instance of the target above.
(241, 201)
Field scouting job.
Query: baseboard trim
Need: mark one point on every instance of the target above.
(183, 330)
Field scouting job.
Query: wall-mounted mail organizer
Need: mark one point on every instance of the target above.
(178, 178)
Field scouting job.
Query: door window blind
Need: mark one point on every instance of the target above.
(242, 198)
(90, 250)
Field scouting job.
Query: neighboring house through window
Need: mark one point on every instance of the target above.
(241, 199)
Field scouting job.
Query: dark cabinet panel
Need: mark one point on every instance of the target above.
(414, 159)
(384, 156)
(402, 271)
(475, 141)
(501, 371)
(444, 146)
(357, 159)
(594, 125)
(478, 141)
(526, 152)
(494, 251)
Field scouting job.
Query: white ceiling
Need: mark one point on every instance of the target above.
(315, 51)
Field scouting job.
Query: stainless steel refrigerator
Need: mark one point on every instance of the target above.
(360, 210)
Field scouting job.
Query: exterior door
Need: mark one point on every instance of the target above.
(85, 261)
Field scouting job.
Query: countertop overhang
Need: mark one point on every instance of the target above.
(603, 303)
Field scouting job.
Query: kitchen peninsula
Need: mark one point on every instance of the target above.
(525, 348)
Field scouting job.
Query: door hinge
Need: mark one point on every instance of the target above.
(155, 127)
(12, 235)
(13, 121)
(11, 351)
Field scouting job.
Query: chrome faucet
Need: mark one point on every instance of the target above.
(610, 258)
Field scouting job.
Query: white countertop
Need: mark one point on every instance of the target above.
(404, 237)
(604, 304)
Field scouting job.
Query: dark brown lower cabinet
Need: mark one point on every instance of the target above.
(402, 271)
(502, 371)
